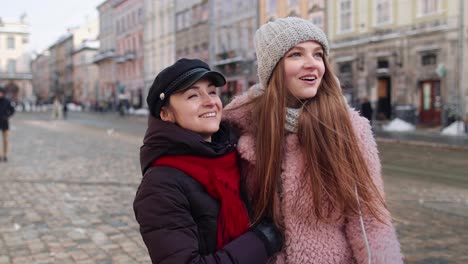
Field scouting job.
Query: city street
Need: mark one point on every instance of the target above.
(66, 193)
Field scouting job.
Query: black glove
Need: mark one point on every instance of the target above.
(270, 235)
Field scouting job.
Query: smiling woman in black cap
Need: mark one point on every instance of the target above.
(188, 204)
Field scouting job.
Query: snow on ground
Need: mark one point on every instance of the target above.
(74, 107)
(139, 112)
(398, 125)
(455, 129)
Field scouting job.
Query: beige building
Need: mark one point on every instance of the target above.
(15, 69)
(159, 39)
(105, 59)
(61, 67)
(192, 29)
(401, 54)
(314, 10)
(235, 23)
(89, 30)
(40, 67)
(85, 73)
(61, 64)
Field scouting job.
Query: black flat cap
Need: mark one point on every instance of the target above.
(178, 77)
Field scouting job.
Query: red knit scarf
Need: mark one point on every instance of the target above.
(220, 177)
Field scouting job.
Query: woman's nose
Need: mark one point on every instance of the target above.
(208, 99)
(310, 61)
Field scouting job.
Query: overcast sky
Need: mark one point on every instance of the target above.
(49, 19)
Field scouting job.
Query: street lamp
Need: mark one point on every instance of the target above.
(461, 39)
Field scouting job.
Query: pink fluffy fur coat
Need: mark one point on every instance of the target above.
(305, 241)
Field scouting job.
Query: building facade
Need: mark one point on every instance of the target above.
(61, 67)
(233, 27)
(129, 21)
(85, 74)
(41, 77)
(15, 68)
(192, 27)
(105, 59)
(313, 10)
(159, 39)
(402, 55)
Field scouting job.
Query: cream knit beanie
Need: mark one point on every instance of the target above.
(273, 39)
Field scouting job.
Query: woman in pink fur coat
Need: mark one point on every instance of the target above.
(309, 162)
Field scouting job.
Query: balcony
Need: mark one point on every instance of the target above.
(120, 59)
(130, 55)
(109, 54)
(229, 61)
(15, 76)
(228, 57)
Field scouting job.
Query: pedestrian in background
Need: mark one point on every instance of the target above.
(56, 109)
(188, 204)
(65, 109)
(366, 109)
(6, 111)
(312, 162)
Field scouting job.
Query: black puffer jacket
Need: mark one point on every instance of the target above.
(177, 217)
(6, 109)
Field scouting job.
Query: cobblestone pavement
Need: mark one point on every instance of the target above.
(66, 196)
(427, 192)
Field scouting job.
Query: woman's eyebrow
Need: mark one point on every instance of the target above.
(198, 87)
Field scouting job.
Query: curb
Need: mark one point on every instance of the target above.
(421, 143)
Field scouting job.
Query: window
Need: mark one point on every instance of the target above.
(429, 59)
(140, 15)
(271, 7)
(292, 2)
(345, 67)
(428, 7)
(240, 3)
(25, 40)
(196, 14)
(383, 11)
(11, 67)
(187, 19)
(205, 12)
(345, 15)
(205, 54)
(382, 63)
(11, 42)
(180, 21)
(227, 8)
(318, 21)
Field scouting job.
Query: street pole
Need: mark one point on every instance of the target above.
(211, 24)
(461, 40)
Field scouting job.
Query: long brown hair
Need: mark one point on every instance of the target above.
(334, 163)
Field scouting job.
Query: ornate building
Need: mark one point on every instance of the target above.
(159, 39)
(403, 55)
(129, 22)
(40, 67)
(105, 58)
(232, 43)
(15, 69)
